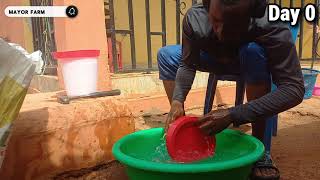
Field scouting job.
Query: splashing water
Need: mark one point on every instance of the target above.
(160, 154)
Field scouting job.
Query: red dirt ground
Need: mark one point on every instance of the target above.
(296, 149)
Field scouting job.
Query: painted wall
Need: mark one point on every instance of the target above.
(17, 30)
(308, 31)
(122, 22)
(86, 31)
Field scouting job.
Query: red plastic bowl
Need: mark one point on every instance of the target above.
(186, 143)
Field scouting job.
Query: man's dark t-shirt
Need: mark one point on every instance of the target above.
(281, 53)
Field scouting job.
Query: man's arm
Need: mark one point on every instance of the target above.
(184, 81)
(186, 71)
(286, 74)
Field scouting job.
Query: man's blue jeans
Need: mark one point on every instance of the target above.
(252, 63)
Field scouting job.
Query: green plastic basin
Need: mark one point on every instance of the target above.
(145, 156)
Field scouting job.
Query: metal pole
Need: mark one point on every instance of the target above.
(132, 38)
(315, 38)
(163, 22)
(113, 37)
(148, 34)
(178, 20)
(301, 33)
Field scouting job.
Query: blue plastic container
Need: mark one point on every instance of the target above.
(310, 78)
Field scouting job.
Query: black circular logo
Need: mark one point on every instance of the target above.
(72, 11)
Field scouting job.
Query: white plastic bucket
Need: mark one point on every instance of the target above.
(79, 70)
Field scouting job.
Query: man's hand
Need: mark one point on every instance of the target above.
(176, 111)
(215, 121)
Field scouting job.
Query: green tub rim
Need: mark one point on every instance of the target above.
(187, 168)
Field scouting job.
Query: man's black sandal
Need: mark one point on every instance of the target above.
(265, 163)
